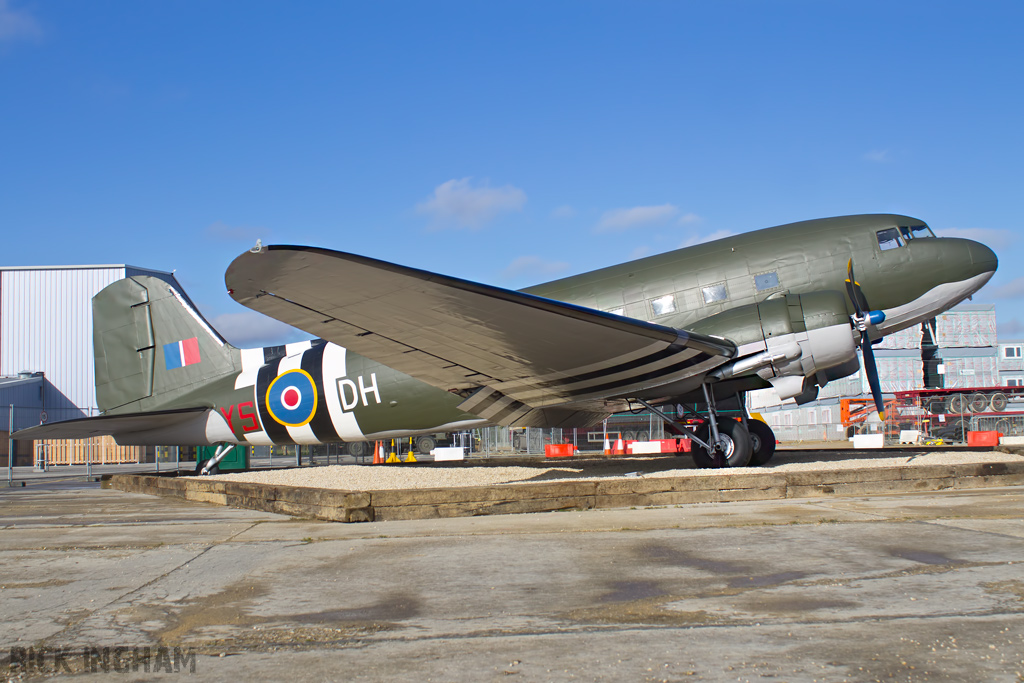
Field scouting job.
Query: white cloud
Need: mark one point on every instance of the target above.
(221, 232)
(879, 156)
(564, 211)
(17, 24)
(620, 220)
(707, 237)
(458, 203)
(250, 329)
(1014, 289)
(992, 237)
(533, 266)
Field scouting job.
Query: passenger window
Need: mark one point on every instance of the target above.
(766, 281)
(889, 239)
(713, 293)
(664, 305)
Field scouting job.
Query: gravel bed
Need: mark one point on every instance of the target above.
(451, 475)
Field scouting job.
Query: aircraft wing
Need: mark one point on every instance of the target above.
(86, 427)
(506, 351)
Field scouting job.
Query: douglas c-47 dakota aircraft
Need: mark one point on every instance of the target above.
(403, 351)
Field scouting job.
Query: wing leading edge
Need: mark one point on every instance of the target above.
(507, 352)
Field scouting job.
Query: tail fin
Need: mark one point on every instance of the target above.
(152, 347)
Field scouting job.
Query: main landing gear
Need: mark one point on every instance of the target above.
(723, 441)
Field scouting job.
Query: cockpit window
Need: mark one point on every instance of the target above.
(910, 232)
(889, 239)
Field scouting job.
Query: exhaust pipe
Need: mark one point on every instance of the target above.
(755, 362)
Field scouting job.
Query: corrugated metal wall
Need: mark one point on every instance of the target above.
(26, 397)
(46, 325)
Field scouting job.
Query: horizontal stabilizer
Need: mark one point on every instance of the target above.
(116, 425)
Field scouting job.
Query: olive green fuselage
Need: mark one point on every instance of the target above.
(806, 257)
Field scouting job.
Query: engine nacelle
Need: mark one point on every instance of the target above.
(798, 341)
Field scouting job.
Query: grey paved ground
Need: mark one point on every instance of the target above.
(926, 587)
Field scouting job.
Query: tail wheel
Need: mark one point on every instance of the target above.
(999, 402)
(213, 470)
(979, 402)
(425, 444)
(762, 442)
(733, 443)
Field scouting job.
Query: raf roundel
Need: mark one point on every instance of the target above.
(291, 398)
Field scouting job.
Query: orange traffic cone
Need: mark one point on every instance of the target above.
(620, 446)
(378, 453)
(607, 446)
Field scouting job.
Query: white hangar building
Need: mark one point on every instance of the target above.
(46, 327)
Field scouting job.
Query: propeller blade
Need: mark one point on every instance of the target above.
(860, 304)
(872, 370)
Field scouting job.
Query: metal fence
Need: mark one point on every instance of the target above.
(487, 442)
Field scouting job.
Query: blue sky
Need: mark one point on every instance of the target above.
(506, 142)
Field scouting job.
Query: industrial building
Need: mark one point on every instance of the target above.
(46, 361)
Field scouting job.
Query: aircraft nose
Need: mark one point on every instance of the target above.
(983, 257)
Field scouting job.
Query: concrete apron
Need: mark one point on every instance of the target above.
(384, 505)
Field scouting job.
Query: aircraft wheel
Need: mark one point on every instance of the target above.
(762, 442)
(357, 449)
(979, 402)
(999, 402)
(425, 444)
(734, 440)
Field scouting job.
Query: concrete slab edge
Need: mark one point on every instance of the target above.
(368, 506)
